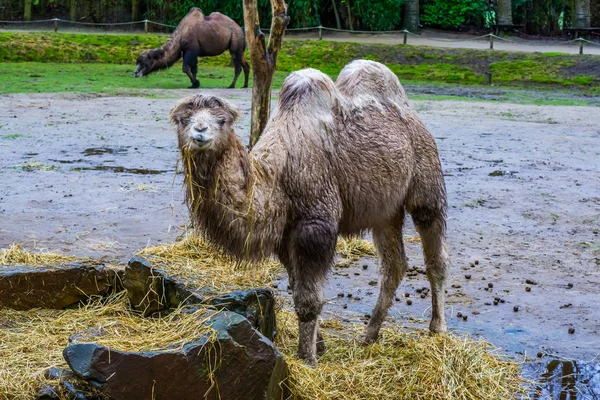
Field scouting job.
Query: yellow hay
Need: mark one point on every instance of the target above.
(16, 255)
(398, 366)
(401, 365)
(33, 341)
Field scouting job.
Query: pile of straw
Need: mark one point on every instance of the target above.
(33, 341)
(399, 366)
(16, 255)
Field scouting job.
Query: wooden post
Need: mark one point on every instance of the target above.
(264, 60)
(320, 32)
(581, 45)
(491, 41)
(405, 37)
(146, 25)
(55, 25)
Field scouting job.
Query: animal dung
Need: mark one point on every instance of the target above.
(569, 285)
(340, 294)
(528, 289)
(490, 285)
(465, 317)
(516, 308)
(406, 294)
(540, 354)
(487, 303)
(459, 315)
(349, 295)
(409, 302)
(571, 330)
(530, 282)
(467, 276)
(365, 266)
(495, 302)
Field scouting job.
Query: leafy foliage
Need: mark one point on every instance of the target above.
(383, 15)
(452, 14)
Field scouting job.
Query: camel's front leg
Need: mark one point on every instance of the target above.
(312, 248)
(190, 68)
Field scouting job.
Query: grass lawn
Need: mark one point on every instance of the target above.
(52, 62)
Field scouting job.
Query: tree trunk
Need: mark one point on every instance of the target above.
(338, 24)
(411, 16)
(264, 60)
(504, 12)
(582, 14)
(135, 10)
(28, 10)
(73, 10)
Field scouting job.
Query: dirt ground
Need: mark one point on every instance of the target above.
(95, 176)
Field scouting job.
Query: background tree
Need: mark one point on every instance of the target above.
(411, 13)
(264, 60)
(27, 13)
(582, 14)
(504, 12)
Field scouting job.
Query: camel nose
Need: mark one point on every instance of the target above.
(199, 134)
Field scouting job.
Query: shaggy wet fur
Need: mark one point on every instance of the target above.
(335, 159)
(196, 36)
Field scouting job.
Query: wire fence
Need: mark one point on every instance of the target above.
(147, 26)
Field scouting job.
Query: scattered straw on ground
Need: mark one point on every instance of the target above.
(33, 341)
(352, 250)
(399, 366)
(16, 255)
(202, 264)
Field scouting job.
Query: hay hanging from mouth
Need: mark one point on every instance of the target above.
(399, 366)
(201, 264)
(31, 342)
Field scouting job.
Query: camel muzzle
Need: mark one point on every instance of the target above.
(139, 71)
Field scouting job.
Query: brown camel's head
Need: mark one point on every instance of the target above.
(148, 61)
(204, 122)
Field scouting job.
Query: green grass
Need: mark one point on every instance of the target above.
(36, 77)
(51, 62)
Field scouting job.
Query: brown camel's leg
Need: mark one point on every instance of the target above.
(237, 64)
(312, 249)
(393, 266)
(190, 68)
(246, 68)
(431, 225)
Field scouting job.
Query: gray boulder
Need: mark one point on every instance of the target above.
(25, 287)
(240, 364)
(152, 290)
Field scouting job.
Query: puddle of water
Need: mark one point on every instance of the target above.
(98, 151)
(67, 161)
(564, 380)
(118, 169)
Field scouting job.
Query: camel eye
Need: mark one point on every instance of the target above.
(221, 122)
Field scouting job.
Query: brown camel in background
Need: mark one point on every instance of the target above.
(196, 36)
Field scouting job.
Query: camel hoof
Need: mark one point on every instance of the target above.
(310, 361)
(232, 86)
(195, 85)
(437, 327)
(366, 339)
(320, 347)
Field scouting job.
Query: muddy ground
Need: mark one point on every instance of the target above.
(95, 176)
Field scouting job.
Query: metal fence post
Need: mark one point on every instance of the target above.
(491, 41)
(55, 24)
(320, 32)
(405, 37)
(146, 25)
(580, 45)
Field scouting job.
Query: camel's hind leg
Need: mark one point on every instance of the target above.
(312, 249)
(237, 65)
(431, 225)
(393, 266)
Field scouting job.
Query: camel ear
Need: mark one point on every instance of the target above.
(231, 112)
(180, 114)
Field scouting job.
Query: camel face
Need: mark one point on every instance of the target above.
(204, 130)
(147, 62)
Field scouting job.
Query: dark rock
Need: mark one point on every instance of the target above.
(530, 282)
(240, 364)
(25, 287)
(152, 290)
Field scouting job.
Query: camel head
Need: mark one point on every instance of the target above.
(148, 61)
(204, 123)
